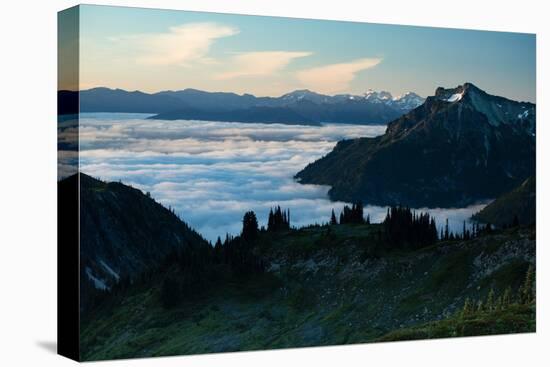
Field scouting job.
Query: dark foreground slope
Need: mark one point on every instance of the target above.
(460, 146)
(324, 286)
(519, 203)
(124, 230)
(123, 233)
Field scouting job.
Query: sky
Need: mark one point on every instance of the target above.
(153, 50)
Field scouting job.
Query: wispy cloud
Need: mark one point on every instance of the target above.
(334, 78)
(180, 45)
(260, 63)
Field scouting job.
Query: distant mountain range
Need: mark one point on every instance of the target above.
(460, 146)
(298, 107)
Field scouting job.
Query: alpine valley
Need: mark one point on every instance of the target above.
(234, 183)
(151, 285)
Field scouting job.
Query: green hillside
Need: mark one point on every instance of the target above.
(323, 285)
(517, 318)
(520, 202)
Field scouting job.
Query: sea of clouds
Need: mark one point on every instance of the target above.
(213, 172)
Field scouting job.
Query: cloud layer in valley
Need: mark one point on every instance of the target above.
(213, 172)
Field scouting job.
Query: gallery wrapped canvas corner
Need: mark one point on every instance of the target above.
(234, 183)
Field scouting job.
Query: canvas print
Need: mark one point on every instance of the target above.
(234, 183)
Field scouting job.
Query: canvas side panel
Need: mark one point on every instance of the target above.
(68, 313)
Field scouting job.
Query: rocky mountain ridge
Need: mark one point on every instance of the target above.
(300, 106)
(460, 146)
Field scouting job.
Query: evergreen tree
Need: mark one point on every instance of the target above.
(527, 290)
(358, 213)
(507, 297)
(278, 219)
(239, 251)
(353, 214)
(250, 227)
(433, 231)
(479, 306)
(499, 304)
(468, 308)
(270, 220)
(333, 220)
(490, 303)
(218, 251)
(404, 228)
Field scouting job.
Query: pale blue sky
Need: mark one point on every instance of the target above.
(153, 50)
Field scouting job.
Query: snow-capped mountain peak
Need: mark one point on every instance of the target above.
(401, 104)
(304, 94)
(498, 110)
(408, 101)
(405, 102)
(377, 97)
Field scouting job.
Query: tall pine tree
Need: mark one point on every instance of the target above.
(333, 220)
